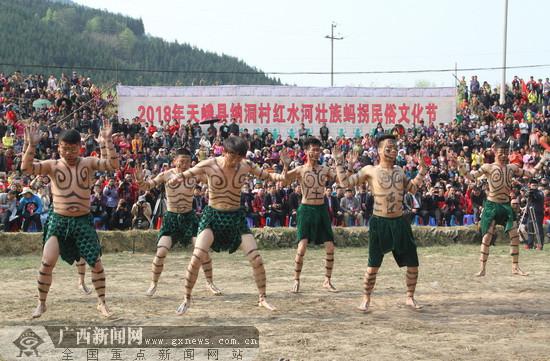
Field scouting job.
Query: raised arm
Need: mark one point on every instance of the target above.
(109, 157)
(416, 183)
(28, 164)
(346, 178)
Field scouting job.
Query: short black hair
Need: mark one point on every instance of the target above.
(502, 145)
(235, 144)
(183, 151)
(384, 137)
(311, 141)
(70, 136)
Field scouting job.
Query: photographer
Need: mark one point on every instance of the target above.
(535, 201)
(141, 214)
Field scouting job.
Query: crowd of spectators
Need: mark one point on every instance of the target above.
(447, 198)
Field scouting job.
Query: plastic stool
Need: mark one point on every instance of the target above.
(468, 219)
(432, 222)
(416, 220)
(250, 222)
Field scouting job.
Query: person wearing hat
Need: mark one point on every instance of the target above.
(30, 208)
(389, 230)
(69, 231)
(497, 208)
(141, 214)
(179, 223)
(313, 218)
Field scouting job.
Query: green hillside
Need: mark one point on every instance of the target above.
(40, 32)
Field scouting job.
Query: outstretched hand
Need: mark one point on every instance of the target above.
(337, 153)
(139, 173)
(32, 134)
(352, 157)
(285, 159)
(106, 130)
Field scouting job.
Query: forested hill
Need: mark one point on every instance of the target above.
(41, 32)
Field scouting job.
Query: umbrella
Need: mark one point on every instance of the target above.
(41, 103)
(210, 121)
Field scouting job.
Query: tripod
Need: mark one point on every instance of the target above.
(160, 209)
(530, 229)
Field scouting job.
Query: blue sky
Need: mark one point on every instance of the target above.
(288, 36)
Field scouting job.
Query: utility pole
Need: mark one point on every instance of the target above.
(503, 84)
(332, 38)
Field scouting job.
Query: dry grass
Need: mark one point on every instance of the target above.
(499, 317)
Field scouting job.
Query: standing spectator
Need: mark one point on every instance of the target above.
(110, 193)
(324, 131)
(273, 203)
(224, 130)
(234, 127)
(258, 207)
(294, 201)
(335, 213)
(199, 202)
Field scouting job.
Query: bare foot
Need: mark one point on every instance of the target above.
(263, 303)
(517, 271)
(84, 289)
(296, 287)
(215, 290)
(103, 309)
(39, 310)
(364, 306)
(183, 308)
(328, 285)
(411, 302)
(152, 289)
(480, 273)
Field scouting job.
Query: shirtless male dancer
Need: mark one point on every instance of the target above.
(69, 231)
(497, 208)
(179, 223)
(223, 226)
(388, 229)
(313, 221)
(81, 263)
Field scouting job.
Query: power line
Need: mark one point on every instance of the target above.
(175, 71)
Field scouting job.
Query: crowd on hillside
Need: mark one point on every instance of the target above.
(74, 101)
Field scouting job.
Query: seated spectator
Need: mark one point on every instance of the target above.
(8, 211)
(121, 218)
(30, 209)
(351, 208)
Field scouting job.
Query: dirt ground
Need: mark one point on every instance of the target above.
(498, 317)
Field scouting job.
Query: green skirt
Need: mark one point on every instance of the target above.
(227, 226)
(313, 223)
(181, 227)
(391, 234)
(501, 213)
(76, 236)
